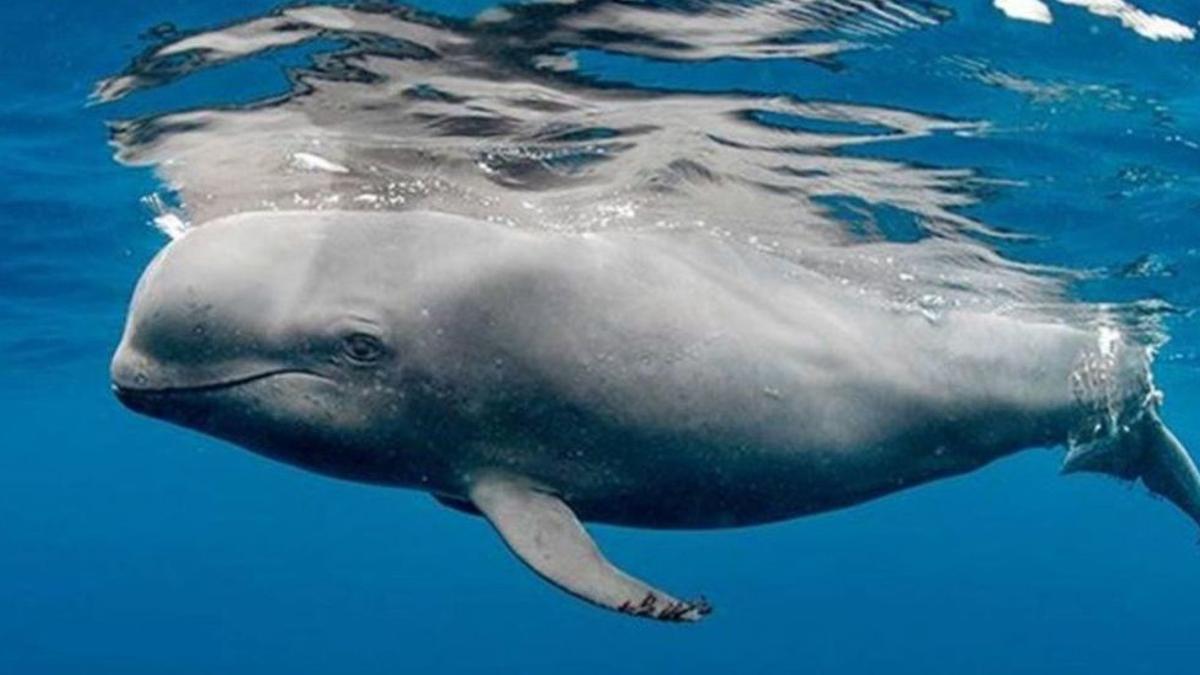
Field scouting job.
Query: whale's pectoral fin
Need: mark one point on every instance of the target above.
(546, 535)
(462, 505)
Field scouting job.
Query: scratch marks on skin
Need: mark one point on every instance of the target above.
(1145, 24)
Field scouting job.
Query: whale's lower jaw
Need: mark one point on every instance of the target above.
(133, 395)
(222, 411)
(199, 406)
(191, 408)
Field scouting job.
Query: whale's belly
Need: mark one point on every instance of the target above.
(765, 433)
(786, 432)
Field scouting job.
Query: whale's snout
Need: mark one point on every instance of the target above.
(138, 400)
(177, 337)
(129, 369)
(130, 379)
(208, 311)
(139, 382)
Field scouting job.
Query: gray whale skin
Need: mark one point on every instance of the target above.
(646, 379)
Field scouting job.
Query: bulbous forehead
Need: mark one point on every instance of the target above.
(300, 252)
(279, 269)
(250, 268)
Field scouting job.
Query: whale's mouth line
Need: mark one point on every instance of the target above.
(158, 392)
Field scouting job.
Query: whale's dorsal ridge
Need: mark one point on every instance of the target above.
(545, 534)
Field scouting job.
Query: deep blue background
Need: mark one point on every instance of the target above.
(128, 546)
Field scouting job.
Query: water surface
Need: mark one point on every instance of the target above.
(1024, 157)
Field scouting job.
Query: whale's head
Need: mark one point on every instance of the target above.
(270, 334)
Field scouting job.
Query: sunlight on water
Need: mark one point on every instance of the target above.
(1151, 26)
(499, 118)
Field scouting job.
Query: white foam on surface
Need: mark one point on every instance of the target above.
(1025, 10)
(1145, 24)
(1151, 26)
(171, 225)
(307, 160)
(1108, 340)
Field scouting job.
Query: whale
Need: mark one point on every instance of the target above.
(654, 379)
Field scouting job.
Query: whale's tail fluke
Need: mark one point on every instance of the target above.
(1167, 469)
(1150, 452)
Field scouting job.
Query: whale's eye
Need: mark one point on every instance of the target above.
(362, 347)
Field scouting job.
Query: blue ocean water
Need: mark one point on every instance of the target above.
(129, 546)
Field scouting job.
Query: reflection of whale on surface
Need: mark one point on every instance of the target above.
(646, 379)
